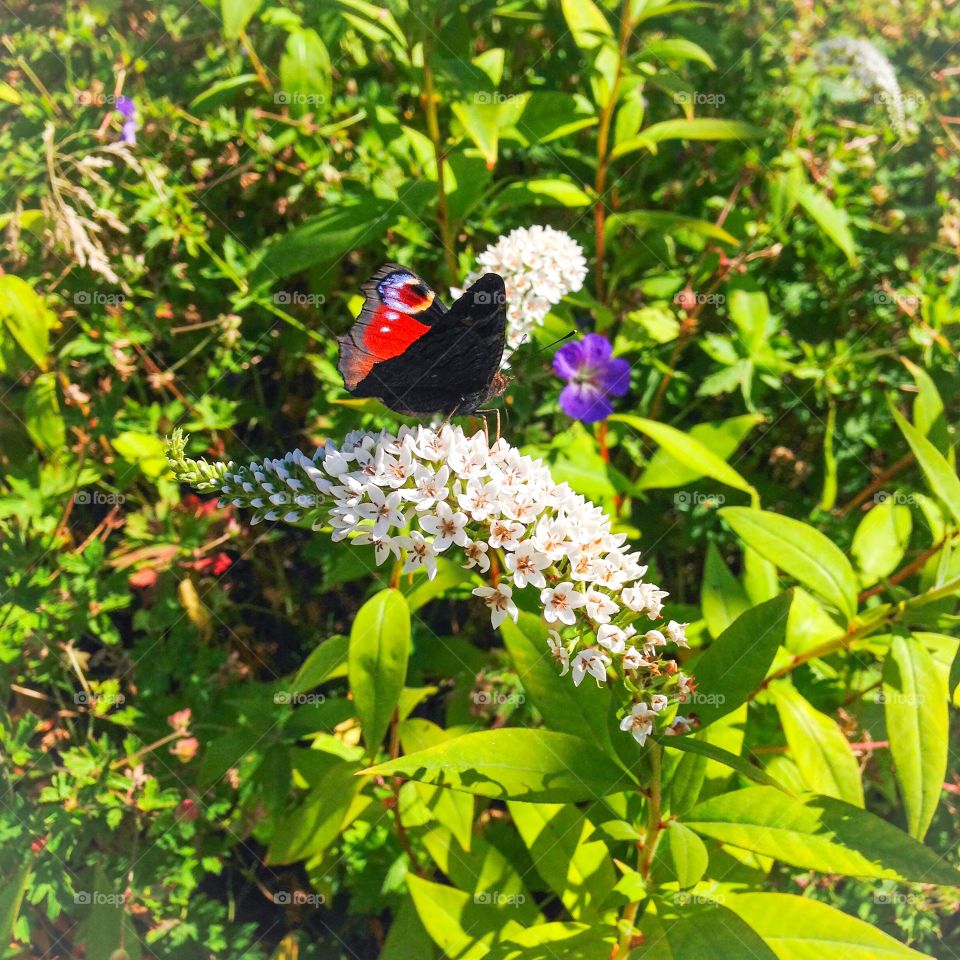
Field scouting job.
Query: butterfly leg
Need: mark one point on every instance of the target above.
(496, 412)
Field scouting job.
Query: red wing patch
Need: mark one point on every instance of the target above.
(386, 326)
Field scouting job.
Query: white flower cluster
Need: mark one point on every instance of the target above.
(870, 69)
(423, 493)
(539, 266)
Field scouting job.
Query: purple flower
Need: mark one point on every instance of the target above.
(128, 110)
(594, 377)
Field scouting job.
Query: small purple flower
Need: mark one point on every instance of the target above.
(128, 110)
(594, 376)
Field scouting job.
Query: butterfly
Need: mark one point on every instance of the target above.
(418, 357)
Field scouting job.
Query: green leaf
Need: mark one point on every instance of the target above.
(832, 220)
(462, 927)
(818, 746)
(818, 833)
(681, 855)
(515, 764)
(481, 121)
(236, 15)
(565, 708)
(26, 318)
(722, 438)
(573, 864)
(321, 664)
(690, 452)
(735, 664)
(218, 92)
(916, 700)
(305, 74)
(482, 869)
(11, 899)
(940, 475)
(377, 662)
(699, 747)
(145, 450)
(801, 928)
(544, 192)
(696, 128)
(640, 221)
(677, 48)
(692, 930)
(314, 823)
(880, 540)
(41, 413)
(799, 550)
(722, 598)
(324, 238)
(587, 23)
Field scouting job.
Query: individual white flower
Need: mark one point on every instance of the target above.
(658, 702)
(612, 637)
(600, 608)
(550, 538)
(651, 640)
(500, 601)
(680, 725)
(383, 547)
(480, 499)
(395, 471)
(559, 652)
(676, 633)
(633, 659)
(383, 509)
(505, 534)
(446, 526)
(644, 598)
(590, 661)
(560, 602)
(476, 552)
(429, 487)
(525, 563)
(639, 721)
(420, 553)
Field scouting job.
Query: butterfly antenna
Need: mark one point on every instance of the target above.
(566, 336)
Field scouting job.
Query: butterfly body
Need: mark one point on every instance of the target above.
(420, 358)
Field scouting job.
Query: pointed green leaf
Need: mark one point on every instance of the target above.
(799, 550)
(515, 764)
(818, 833)
(722, 598)
(377, 662)
(942, 478)
(880, 540)
(801, 928)
(818, 746)
(681, 446)
(915, 701)
(734, 665)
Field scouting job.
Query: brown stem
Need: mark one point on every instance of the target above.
(877, 484)
(652, 836)
(433, 130)
(911, 568)
(395, 783)
(603, 153)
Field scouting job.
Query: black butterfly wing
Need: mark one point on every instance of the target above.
(398, 309)
(450, 368)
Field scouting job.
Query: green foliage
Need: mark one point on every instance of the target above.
(229, 738)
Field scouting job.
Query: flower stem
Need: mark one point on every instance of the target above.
(433, 130)
(603, 152)
(652, 836)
